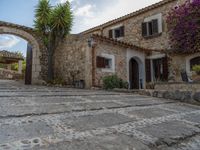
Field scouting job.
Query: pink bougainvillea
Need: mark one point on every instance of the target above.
(184, 27)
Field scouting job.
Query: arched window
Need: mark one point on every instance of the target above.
(194, 61)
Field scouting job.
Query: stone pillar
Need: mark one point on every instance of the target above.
(20, 66)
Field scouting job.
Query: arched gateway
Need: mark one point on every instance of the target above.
(38, 60)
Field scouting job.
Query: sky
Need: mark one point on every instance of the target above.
(87, 14)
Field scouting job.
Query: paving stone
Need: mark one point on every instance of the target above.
(97, 105)
(143, 102)
(150, 113)
(39, 117)
(12, 132)
(181, 107)
(105, 142)
(171, 132)
(193, 118)
(96, 121)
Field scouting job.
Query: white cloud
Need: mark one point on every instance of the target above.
(63, 1)
(85, 11)
(8, 41)
(91, 17)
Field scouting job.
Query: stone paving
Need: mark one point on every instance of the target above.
(47, 118)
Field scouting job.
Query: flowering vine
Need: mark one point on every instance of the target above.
(183, 24)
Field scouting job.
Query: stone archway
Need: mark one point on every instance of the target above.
(136, 73)
(39, 60)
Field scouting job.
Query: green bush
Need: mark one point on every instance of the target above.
(196, 68)
(113, 81)
(57, 81)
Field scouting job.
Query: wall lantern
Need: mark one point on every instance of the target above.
(91, 42)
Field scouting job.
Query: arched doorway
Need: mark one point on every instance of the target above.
(134, 74)
(38, 70)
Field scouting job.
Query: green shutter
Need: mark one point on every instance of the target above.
(144, 29)
(155, 26)
(111, 34)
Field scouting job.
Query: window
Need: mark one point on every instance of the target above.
(116, 32)
(152, 25)
(150, 28)
(194, 61)
(105, 62)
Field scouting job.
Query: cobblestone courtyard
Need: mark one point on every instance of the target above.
(36, 117)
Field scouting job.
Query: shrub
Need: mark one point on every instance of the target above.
(113, 81)
(57, 81)
(196, 68)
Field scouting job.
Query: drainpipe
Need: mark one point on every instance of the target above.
(92, 44)
(93, 66)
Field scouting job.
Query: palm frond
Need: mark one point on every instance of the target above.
(42, 16)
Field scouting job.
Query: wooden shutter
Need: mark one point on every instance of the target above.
(122, 31)
(111, 34)
(155, 26)
(144, 29)
(148, 70)
(100, 62)
(165, 68)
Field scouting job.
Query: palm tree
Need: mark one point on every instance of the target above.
(53, 24)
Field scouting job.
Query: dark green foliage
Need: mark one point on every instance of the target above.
(112, 82)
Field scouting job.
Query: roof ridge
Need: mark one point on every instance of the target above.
(137, 12)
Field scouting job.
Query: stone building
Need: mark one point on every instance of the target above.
(7, 59)
(135, 47)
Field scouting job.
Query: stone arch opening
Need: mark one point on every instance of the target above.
(29, 35)
(191, 61)
(194, 61)
(135, 73)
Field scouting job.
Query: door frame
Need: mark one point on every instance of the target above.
(132, 62)
(28, 72)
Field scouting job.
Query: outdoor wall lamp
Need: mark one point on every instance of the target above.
(91, 42)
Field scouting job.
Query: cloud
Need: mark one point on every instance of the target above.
(8, 41)
(63, 1)
(85, 11)
(91, 16)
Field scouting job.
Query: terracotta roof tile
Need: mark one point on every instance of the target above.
(7, 54)
(125, 44)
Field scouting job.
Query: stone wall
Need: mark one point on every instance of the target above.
(179, 63)
(10, 75)
(39, 61)
(119, 54)
(178, 86)
(72, 60)
(187, 96)
(133, 33)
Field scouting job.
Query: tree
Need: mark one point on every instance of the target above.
(53, 24)
(184, 26)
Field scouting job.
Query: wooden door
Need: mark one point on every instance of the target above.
(134, 74)
(28, 73)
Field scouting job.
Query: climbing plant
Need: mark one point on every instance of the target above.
(183, 24)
